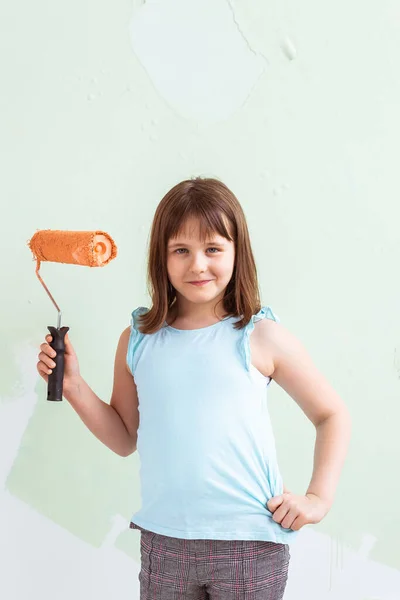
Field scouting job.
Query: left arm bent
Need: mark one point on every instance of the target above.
(296, 373)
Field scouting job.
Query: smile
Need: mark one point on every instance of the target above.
(200, 283)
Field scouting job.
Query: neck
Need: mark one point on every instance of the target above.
(196, 314)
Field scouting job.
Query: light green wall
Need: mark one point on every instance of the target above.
(295, 107)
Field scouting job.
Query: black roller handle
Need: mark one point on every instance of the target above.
(56, 377)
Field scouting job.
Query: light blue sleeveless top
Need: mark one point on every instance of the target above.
(208, 462)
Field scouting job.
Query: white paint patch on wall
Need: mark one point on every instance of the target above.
(323, 569)
(40, 559)
(196, 56)
(16, 410)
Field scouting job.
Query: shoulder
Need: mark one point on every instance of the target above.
(122, 347)
(261, 348)
(266, 324)
(124, 337)
(277, 339)
(284, 349)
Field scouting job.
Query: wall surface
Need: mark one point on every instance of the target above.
(105, 106)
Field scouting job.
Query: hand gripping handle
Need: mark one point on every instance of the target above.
(55, 382)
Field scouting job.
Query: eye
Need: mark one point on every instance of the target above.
(177, 251)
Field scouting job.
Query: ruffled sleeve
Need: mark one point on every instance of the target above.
(265, 313)
(135, 338)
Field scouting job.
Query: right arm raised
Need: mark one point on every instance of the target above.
(114, 424)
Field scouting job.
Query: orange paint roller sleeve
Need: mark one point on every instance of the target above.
(86, 248)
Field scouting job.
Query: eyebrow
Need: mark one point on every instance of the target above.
(215, 243)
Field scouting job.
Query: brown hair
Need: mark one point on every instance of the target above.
(218, 211)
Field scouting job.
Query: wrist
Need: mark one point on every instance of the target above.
(72, 387)
(326, 501)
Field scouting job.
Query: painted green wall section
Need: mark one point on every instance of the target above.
(295, 107)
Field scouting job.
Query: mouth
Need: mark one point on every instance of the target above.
(200, 283)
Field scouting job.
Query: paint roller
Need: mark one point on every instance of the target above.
(85, 248)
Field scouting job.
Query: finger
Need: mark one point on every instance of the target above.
(289, 518)
(281, 512)
(48, 362)
(47, 353)
(298, 523)
(43, 370)
(274, 503)
(48, 350)
(49, 338)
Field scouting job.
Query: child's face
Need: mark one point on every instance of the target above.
(190, 260)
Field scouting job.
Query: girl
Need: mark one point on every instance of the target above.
(216, 521)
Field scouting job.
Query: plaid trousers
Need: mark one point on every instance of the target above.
(182, 569)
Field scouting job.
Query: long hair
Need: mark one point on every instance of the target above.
(217, 210)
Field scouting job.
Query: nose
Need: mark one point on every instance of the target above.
(198, 263)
